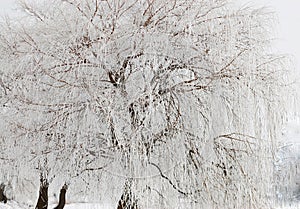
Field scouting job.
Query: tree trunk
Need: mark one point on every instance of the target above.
(3, 198)
(62, 197)
(43, 194)
(127, 200)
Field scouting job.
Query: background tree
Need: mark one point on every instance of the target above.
(287, 166)
(180, 98)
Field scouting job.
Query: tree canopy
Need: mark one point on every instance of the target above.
(182, 100)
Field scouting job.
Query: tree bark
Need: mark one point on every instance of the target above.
(127, 200)
(62, 197)
(3, 198)
(43, 194)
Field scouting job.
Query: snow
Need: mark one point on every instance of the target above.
(88, 206)
(291, 207)
(79, 135)
(15, 205)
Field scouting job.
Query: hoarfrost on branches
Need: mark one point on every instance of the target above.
(175, 101)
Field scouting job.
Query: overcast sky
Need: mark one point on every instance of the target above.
(289, 21)
(6, 6)
(288, 16)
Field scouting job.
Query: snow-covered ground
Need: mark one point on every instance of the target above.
(14, 205)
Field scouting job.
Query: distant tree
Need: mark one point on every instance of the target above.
(180, 97)
(288, 166)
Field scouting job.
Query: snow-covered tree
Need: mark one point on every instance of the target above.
(151, 103)
(288, 165)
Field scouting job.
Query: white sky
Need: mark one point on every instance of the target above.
(288, 14)
(6, 6)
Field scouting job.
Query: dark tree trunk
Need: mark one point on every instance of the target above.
(43, 194)
(62, 197)
(3, 198)
(127, 200)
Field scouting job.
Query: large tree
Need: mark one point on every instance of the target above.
(151, 102)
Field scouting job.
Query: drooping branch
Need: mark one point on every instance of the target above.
(170, 181)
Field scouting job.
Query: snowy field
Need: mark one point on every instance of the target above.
(13, 205)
